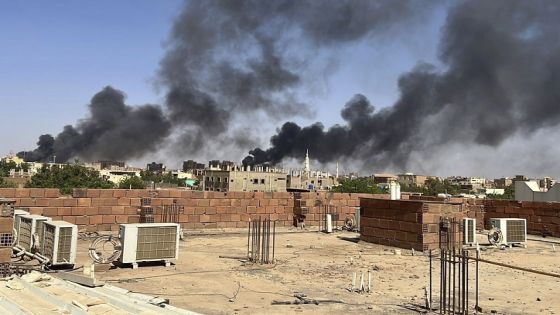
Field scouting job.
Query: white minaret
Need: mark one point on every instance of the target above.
(306, 162)
(336, 169)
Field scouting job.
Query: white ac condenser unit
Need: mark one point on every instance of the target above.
(30, 229)
(59, 242)
(469, 231)
(514, 230)
(143, 242)
(18, 213)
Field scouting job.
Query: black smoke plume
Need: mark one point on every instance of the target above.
(113, 130)
(501, 77)
(225, 62)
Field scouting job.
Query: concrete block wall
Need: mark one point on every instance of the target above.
(104, 209)
(543, 218)
(406, 223)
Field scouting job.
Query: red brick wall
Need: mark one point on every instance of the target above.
(104, 209)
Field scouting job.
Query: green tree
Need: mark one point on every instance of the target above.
(432, 187)
(6, 184)
(358, 185)
(133, 182)
(509, 194)
(165, 177)
(68, 177)
(6, 167)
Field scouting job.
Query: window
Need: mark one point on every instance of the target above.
(255, 181)
(232, 180)
(207, 178)
(218, 179)
(262, 181)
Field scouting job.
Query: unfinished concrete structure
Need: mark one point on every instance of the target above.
(405, 223)
(243, 178)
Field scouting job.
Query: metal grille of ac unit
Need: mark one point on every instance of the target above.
(515, 231)
(48, 241)
(156, 242)
(24, 237)
(64, 244)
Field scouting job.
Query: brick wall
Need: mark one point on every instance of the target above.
(406, 223)
(104, 209)
(543, 218)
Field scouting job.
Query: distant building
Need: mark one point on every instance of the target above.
(243, 178)
(194, 167)
(155, 167)
(384, 178)
(308, 180)
(411, 179)
(12, 158)
(503, 182)
(546, 183)
(115, 176)
(469, 184)
(530, 191)
(108, 164)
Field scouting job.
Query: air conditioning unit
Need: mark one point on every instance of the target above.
(59, 241)
(469, 231)
(30, 227)
(17, 214)
(514, 230)
(149, 242)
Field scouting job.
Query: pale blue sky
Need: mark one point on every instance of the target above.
(55, 55)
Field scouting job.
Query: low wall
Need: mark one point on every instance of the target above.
(406, 223)
(543, 218)
(104, 209)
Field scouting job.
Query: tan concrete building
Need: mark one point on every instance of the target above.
(411, 179)
(239, 178)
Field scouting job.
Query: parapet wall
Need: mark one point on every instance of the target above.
(543, 218)
(104, 209)
(414, 223)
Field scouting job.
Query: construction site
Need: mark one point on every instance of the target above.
(185, 252)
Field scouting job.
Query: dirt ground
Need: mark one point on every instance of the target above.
(321, 267)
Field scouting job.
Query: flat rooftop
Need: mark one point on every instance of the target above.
(320, 266)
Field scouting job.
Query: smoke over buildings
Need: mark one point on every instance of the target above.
(501, 78)
(113, 130)
(227, 62)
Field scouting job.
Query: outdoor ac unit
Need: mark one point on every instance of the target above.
(149, 242)
(59, 242)
(514, 230)
(30, 226)
(17, 214)
(469, 231)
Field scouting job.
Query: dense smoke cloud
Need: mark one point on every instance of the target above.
(230, 62)
(225, 62)
(501, 78)
(113, 130)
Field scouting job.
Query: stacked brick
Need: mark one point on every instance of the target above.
(409, 224)
(104, 209)
(6, 229)
(543, 218)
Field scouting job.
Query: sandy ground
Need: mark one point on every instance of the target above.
(321, 266)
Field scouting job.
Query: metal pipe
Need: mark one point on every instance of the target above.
(454, 276)
(430, 297)
(476, 280)
(248, 238)
(467, 283)
(273, 241)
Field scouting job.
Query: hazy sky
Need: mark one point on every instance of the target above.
(56, 55)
